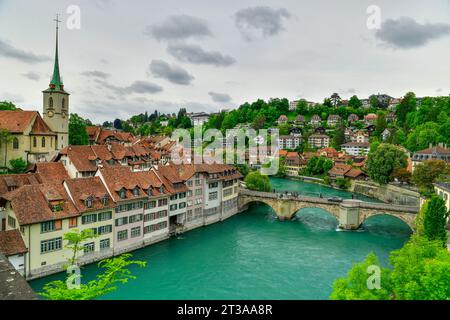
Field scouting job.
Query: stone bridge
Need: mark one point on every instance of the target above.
(351, 214)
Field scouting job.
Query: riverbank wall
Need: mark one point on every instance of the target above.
(386, 193)
(96, 257)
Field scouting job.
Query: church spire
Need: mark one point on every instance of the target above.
(56, 82)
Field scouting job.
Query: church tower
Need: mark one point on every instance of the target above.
(56, 103)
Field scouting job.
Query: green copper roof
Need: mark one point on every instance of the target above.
(56, 79)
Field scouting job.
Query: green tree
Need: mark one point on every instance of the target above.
(354, 102)
(281, 168)
(432, 219)
(302, 107)
(77, 131)
(6, 105)
(384, 161)
(426, 173)
(339, 136)
(319, 165)
(257, 182)
(243, 169)
(116, 272)
(343, 183)
(18, 165)
(424, 135)
(335, 100)
(407, 105)
(285, 129)
(380, 124)
(259, 122)
(355, 285)
(420, 271)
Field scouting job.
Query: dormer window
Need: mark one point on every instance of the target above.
(136, 192)
(105, 200)
(89, 202)
(161, 189)
(150, 192)
(122, 194)
(57, 207)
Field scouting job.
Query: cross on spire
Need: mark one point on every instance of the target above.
(57, 21)
(56, 82)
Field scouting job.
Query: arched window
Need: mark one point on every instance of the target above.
(15, 143)
(63, 103)
(50, 103)
(34, 142)
(43, 142)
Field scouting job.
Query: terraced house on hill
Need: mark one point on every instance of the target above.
(126, 209)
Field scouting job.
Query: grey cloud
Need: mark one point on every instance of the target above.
(141, 87)
(96, 74)
(260, 21)
(195, 54)
(9, 51)
(32, 76)
(220, 97)
(406, 33)
(179, 27)
(174, 74)
(144, 87)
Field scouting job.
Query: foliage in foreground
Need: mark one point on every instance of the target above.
(431, 220)
(116, 272)
(421, 271)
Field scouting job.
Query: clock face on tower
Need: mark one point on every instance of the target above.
(50, 114)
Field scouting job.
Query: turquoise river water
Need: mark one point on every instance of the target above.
(255, 256)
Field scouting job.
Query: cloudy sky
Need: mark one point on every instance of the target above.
(133, 56)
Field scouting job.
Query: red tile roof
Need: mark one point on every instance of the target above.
(17, 121)
(11, 243)
(32, 203)
(83, 189)
(40, 127)
(52, 172)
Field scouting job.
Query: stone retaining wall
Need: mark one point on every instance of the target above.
(387, 193)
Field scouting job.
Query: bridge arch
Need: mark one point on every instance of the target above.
(330, 210)
(322, 214)
(245, 202)
(405, 218)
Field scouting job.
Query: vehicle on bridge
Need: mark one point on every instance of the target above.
(335, 199)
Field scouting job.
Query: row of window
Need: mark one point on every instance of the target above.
(178, 196)
(51, 226)
(155, 215)
(126, 220)
(153, 204)
(155, 227)
(42, 142)
(123, 235)
(90, 247)
(175, 206)
(129, 206)
(94, 217)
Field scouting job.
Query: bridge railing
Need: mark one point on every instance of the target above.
(358, 203)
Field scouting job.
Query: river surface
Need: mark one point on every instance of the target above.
(255, 256)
